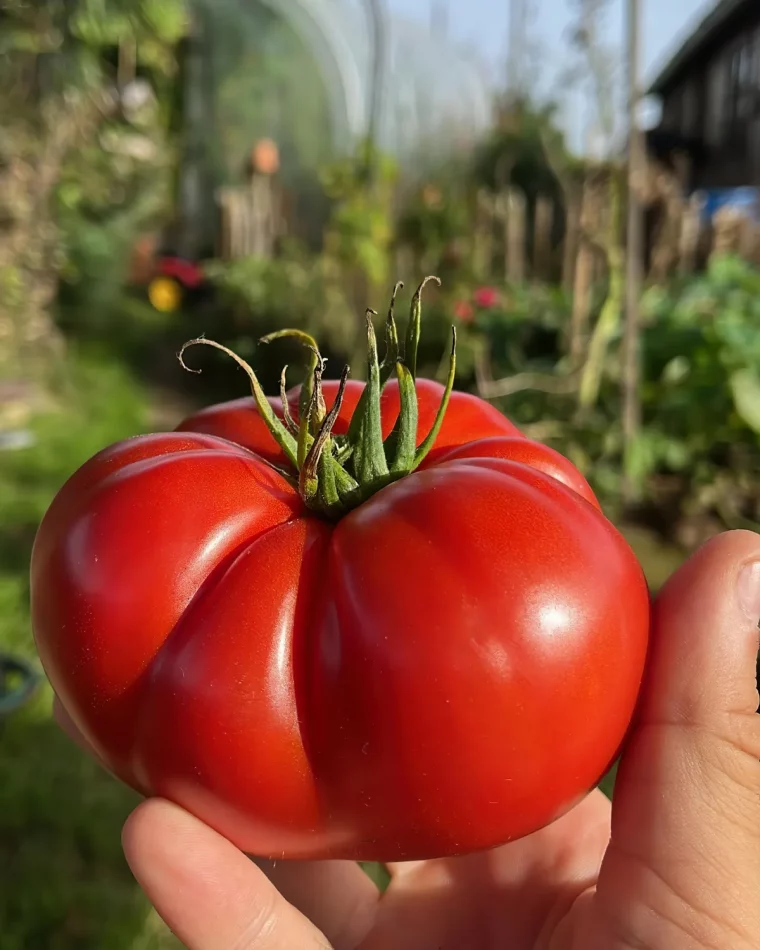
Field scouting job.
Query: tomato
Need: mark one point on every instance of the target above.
(439, 659)
(467, 418)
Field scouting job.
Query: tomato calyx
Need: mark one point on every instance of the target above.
(336, 473)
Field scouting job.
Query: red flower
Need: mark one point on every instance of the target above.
(186, 272)
(486, 297)
(463, 311)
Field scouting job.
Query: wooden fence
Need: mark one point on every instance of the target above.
(543, 240)
(546, 241)
(251, 219)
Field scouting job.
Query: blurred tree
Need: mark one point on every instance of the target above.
(67, 69)
(515, 154)
(269, 83)
(596, 69)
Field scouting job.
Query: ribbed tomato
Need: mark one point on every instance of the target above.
(344, 649)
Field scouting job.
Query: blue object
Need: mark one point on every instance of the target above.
(18, 683)
(746, 200)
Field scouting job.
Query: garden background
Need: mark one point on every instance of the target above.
(141, 207)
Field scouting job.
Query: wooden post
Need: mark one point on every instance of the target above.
(754, 244)
(542, 238)
(667, 240)
(747, 238)
(482, 250)
(691, 231)
(231, 224)
(583, 278)
(515, 235)
(571, 243)
(727, 228)
(631, 368)
(602, 217)
(222, 249)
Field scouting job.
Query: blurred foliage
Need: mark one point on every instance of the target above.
(258, 296)
(325, 293)
(110, 191)
(51, 48)
(359, 233)
(515, 153)
(267, 85)
(433, 224)
(74, 147)
(699, 447)
(302, 291)
(87, 195)
(64, 883)
(701, 399)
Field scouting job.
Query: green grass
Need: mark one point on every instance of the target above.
(64, 884)
(659, 560)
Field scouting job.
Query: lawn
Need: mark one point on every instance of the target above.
(63, 880)
(64, 884)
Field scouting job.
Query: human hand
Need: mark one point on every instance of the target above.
(673, 865)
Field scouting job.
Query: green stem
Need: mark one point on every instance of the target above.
(289, 422)
(391, 339)
(429, 442)
(308, 481)
(281, 435)
(369, 462)
(413, 330)
(608, 323)
(334, 474)
(405, 432)
(386, 367)
(309, 416)
(305, 339)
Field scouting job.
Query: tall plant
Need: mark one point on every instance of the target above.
(63, 70)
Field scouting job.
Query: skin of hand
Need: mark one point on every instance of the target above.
(674, 864)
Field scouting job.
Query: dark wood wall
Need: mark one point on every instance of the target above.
(714, 106)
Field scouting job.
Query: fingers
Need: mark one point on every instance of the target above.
(509, 896)
(705, 636)
(210, 894)
(686, 812)
(337, 896)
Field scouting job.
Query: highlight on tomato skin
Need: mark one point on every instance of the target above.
(536, 455)
(358, 620)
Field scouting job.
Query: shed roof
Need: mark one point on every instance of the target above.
(698, 41)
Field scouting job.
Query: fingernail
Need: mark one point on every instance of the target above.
(748, 589)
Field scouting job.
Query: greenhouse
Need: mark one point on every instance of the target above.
(301, 72)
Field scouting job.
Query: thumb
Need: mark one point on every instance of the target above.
(683, 866)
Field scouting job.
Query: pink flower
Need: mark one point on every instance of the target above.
(486, 297)
(463, 311)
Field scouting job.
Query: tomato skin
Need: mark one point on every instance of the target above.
(125, 547)
(535, 454)
(485, 729)
(467, 417)
(452, 665)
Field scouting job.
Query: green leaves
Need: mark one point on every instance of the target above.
(110, 22)
(745, 389)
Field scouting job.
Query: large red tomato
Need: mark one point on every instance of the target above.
(449, 664)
